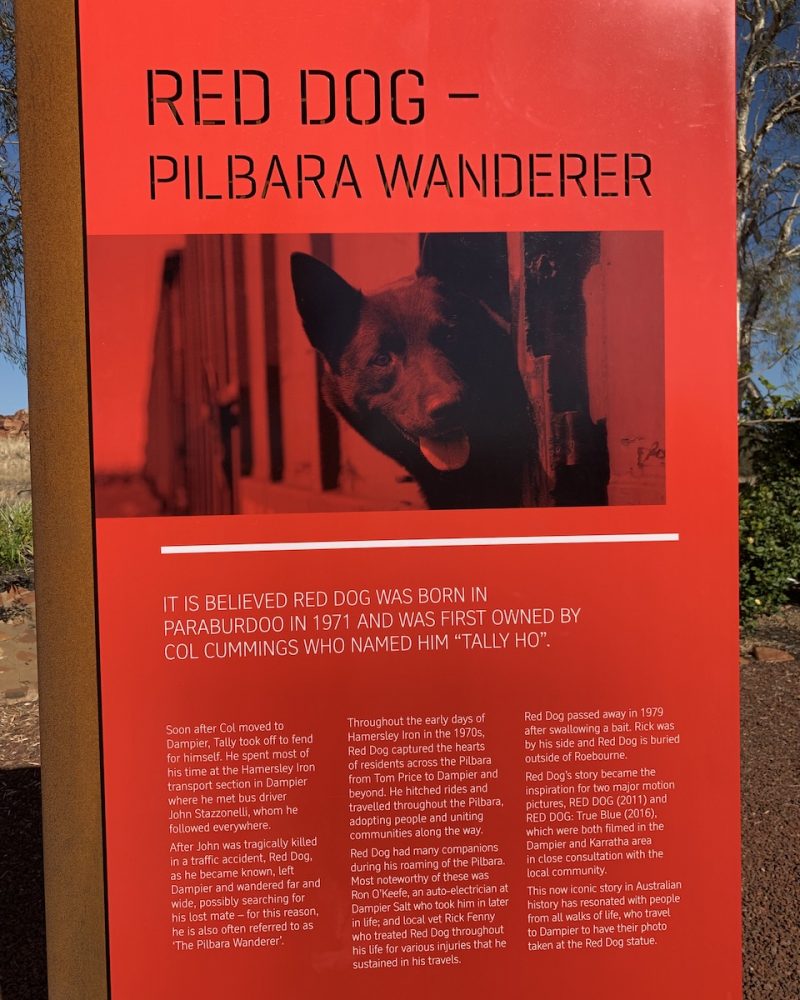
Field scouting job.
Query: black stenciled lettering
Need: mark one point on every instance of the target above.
(363, 94)
(245, 93)
(437, 177)
(306, 114)
(239, 110)
(169, 99)
(399, 177)
(641, 177)
(576, 177)
(305, 176)
(371, 95)
(478, 178)
(346, 178)
(500, 175)
(534, 161)
(201, 96)
(158, 177)
(243, 174)
(412, 102)
(275, 178)
(599, 173)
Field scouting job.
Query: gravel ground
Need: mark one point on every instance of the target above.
(770, 693)
(770, 829)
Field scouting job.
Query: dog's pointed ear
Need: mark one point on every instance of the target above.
(329, 307)
(427, 256)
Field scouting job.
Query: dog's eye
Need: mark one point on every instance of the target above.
(381, 360)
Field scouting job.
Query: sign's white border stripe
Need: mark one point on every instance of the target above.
(416, 543)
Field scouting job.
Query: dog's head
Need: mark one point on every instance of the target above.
(411, 355)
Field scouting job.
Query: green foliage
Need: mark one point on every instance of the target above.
(16, 536)
(769, 504)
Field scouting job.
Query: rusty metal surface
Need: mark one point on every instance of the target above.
(54, 277)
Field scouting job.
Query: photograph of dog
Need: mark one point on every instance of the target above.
(348, 372)
(428, 376)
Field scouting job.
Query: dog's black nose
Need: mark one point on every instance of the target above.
(443, 409)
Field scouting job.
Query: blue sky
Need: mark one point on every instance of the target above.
(13, 388)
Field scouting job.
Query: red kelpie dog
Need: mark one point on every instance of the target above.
(428, 376)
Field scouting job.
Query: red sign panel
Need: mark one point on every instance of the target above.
(413, 394)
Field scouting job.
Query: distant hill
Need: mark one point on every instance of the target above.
(15, 425)
(15, 458)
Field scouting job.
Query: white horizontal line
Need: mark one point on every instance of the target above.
(418, 543)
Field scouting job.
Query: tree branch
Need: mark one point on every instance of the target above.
(769, 420)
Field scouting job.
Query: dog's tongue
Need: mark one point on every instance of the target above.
(446, 453)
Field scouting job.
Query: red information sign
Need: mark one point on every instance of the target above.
(413, 393)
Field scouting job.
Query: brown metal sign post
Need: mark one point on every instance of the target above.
(56, 325)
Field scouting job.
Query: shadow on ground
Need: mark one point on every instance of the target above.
(22, 953)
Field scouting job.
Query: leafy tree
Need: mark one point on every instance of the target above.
(769, 503)
(12, 335)
(768, 183)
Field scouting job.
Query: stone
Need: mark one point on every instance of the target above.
(769, 654)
